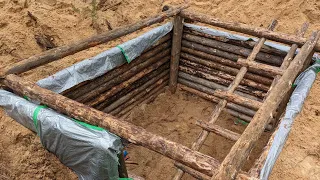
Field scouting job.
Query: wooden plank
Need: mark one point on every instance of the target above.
(126, 130)
(246, 29)
(196, 174)
(242, 148)
(219, 130)
(63, 51)
(175, 52)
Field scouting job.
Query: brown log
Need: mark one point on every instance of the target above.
(159, 51)
(206, 93)
(219, 130)
(241, 149)
(213, 86)
(63, 51)
(221, 81)
(152, 81)
(123, 77)
(212, 54)
(264, 57)
(238, 99)
(159, 84)
(126, 130)
(247, 44)
(128, 88)
(175, 52)
(220, 71)
(196, 174)
(246, 29)
(259, 66)
(116, 89)
(150, 96)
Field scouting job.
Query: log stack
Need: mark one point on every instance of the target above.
(122, 88)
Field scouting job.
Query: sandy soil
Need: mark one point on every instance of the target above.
(21, 154)
(174, 117)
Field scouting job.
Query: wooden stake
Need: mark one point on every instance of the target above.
(175, 52)
(240, 151)
(63, 51)
(132, 133)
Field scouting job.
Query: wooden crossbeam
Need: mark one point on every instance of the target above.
(222, 104)
(242, 148)
(219, 130)
(259, 66)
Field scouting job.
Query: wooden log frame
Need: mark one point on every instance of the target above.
(246, 29)
(242, 148)
(63, 51)
(132, 133)
(222, 104)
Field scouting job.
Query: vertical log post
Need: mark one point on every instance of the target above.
(175, 52)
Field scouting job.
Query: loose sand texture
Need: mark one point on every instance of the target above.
(21, 153)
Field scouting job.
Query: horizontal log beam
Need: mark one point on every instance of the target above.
(242, 148)
(241, 51)
(126, 130)
(246, 29)
(259, 66)
(220, 57)
(219, 130)
(63, 51)
(238, 99)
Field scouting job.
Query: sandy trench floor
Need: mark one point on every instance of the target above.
(21, 153)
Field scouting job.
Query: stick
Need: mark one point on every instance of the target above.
(63, 51)
(132, 133)
(175, 52)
